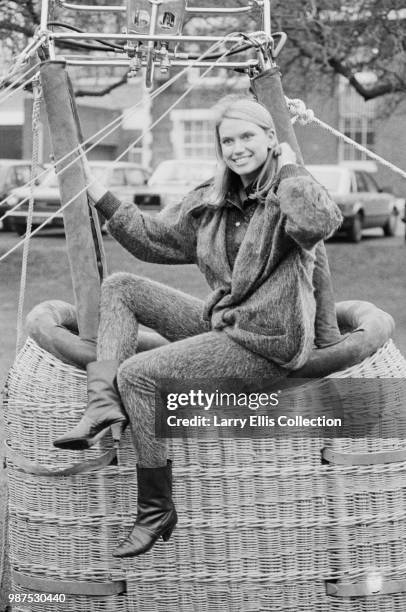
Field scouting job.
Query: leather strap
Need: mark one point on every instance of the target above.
(91, 465)
(366, 588)
(47, 585)
(378, 458)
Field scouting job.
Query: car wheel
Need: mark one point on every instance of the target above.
(390, 227)
(355, 232)
(6, 226)
(20, 228)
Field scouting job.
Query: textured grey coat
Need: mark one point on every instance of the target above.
(266, 302)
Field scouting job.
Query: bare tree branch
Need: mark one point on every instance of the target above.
(102, 92)
(11, 27)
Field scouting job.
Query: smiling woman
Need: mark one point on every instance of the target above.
(253, 232)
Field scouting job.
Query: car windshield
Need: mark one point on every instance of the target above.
(16, 176)
(178, 171)
(329, 177)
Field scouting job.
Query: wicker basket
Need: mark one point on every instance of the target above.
(264, 524)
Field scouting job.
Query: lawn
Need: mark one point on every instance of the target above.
(373, 270)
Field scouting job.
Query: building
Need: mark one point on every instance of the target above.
(187, 130)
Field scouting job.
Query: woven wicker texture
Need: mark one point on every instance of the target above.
(263, 522)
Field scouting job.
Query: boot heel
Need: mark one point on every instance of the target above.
(117, 430)
(167, 534)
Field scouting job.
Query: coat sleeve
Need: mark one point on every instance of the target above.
(311, 215)
(168, 237)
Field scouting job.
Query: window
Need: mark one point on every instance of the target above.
(361, 185)
(192, 133)
(370, 182)
(357, 121)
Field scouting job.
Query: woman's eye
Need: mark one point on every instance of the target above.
(226, 141)
(247, 136)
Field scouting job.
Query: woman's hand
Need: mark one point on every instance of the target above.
(95, 188)
(287, 156)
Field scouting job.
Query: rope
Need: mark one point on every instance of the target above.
(305, 116)
(40, 227)
(38, 39)
(22, 85)
(36, 118)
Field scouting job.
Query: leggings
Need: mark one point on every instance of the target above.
(189, 349)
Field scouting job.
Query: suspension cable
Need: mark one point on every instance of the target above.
(12, 89)
(36, 117)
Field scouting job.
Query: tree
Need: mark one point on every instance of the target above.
(325, 37)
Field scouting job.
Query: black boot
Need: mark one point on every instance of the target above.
(156, 514)
(104, 409)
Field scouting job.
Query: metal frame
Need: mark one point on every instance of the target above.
(142, 49)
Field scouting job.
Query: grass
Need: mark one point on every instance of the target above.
(373, 270)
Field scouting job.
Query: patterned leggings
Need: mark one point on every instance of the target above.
(189, 349)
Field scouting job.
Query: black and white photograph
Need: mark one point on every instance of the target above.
(202, 320)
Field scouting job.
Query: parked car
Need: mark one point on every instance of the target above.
(362, 203)
(13, 173)
(121, 177)
(172, 179)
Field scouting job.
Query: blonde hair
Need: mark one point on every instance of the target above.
(247, 109)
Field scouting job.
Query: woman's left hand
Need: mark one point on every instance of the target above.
(287, 156)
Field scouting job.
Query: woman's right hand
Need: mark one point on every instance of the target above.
(95, 188)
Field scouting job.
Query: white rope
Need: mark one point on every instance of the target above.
(305, 116)
(40, 227)
(17, 61)
(125, 115)
(36, 117)
(11, 89)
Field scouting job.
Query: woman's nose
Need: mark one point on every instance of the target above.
(238, 146)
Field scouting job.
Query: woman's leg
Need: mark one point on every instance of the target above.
(128, 300)
(210, 356)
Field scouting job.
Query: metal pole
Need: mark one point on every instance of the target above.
(149, 75)
(74, 61)
(267, 17)
(91, 8)
(189, 9)
(139, 37)
(218, 11)
(44, 15)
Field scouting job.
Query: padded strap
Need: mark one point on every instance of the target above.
(47, 585)
(367, 587)
(53, 326)
(370, 328)
(91, 465)
(343, 458)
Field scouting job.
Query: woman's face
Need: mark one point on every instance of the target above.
(245, 146)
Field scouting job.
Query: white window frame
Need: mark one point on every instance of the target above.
(355, 107)
(178, 117)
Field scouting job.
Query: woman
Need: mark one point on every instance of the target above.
(252, 231)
